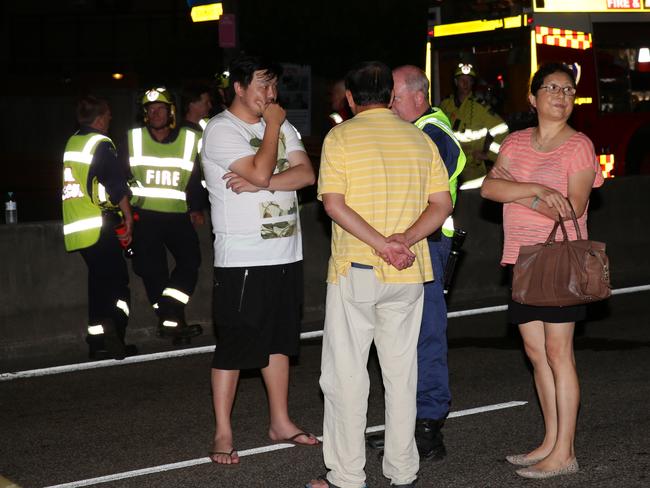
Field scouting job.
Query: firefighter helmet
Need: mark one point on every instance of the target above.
(465, 69)
(223, 79)
(159, 95)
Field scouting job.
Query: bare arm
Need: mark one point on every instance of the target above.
(500, 186)
(431, 219)
(439, 208)
(580, 184)
(258, 168)
(299, 175)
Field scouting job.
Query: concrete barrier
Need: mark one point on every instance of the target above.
(43, 288)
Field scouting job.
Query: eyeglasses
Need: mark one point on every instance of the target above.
(554, 89)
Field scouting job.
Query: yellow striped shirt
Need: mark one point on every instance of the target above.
(386, 169)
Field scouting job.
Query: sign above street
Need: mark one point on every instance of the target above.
(204, 13)
(592, 6)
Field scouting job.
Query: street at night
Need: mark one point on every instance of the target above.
(151, 424)
(189, 185)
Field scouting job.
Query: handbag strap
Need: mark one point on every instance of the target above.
(560, 223)
(575, 220)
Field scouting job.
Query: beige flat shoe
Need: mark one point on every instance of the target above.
(533, 473)
(522, 460)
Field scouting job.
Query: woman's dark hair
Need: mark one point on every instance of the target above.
(89, 108)
(243, 68)
(370, 83)
(548, 69)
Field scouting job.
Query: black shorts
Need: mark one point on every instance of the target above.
(256, 312)
(519, 313)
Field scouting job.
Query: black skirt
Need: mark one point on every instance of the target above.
(519, 313)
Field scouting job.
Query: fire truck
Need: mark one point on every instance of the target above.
(607, 44)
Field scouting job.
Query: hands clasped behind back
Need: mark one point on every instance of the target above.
(396, 252)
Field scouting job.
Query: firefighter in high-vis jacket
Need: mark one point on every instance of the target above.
(95, 189)
(479, 130)
(167, 195)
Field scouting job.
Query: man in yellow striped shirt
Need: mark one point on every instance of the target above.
(385, 187)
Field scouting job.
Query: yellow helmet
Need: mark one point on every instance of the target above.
(465, 69)
(223, 79)
(162, 95)
(159, 94)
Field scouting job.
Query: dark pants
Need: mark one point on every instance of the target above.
(108, 282)
(433, 396)
(256, 312)
(155, 233)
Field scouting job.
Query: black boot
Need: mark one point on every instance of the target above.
(108, 345)
(181, 332)
(428, 437)
(375, 440)
(185, 332)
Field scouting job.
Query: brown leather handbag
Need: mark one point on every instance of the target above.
(561, 273)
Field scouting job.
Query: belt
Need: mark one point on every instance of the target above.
(360, 266)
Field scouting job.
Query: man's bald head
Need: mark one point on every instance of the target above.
(411, 92)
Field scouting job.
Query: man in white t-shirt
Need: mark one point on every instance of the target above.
(253, 162)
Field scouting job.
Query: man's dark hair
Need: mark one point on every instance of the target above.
(549, 69)
(192, 93)
(243, 68)
(90, 107)
(370, 83)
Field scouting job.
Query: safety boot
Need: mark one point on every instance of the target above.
(108, 344)
(428, 437)
(178, 330)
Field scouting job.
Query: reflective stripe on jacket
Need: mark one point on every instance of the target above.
(82, 213)
(161, 171)
(440, 120)
(472, 122)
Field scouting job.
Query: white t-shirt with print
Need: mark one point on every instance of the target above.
(250, 229)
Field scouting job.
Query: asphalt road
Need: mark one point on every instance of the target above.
(111, 422)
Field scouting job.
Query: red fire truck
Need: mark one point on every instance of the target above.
(607, 42)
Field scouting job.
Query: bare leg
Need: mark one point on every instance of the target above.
(534, 339)
(276, 379)
(224, 387)
(561, 358)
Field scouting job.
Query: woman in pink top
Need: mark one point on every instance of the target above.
(537, 173)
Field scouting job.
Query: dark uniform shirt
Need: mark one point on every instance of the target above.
(449, 150)
(204, 199)
(191, 125)
(106, 168)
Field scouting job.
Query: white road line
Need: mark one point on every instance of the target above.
(251, 452)
(630, 289)
(68, 368)
(463, 413)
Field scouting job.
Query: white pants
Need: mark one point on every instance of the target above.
(360, 309)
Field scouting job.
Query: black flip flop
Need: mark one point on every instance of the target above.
(222, 453)
(292, 440)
